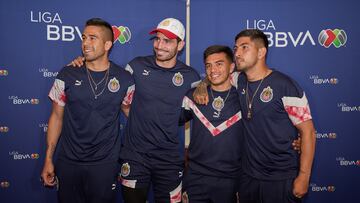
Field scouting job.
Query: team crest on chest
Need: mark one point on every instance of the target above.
(178, 79)
(113, 85)
(267, 94)
(218, 103)
(125, 169)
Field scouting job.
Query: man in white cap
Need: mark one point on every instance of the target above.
(151, 149)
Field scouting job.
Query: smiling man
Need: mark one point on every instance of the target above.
(216, 134)
(150, 151)
(85, 113)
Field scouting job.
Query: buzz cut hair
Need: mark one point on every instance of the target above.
(109, 35)
(255, 35)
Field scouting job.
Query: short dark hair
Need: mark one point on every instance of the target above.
(255, 35)
(214, 49)
(109, 35)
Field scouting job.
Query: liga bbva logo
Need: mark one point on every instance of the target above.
(321, 188)
(317, 80)
(323, 135)
(348, 108)
(44, 127)
(48, 74)
(348, 163)
(19, 101)
(18, 156)
(326, 38)
(57, 31)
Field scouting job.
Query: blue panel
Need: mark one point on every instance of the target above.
(37, 39)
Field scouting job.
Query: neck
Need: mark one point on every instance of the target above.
(257, 73)
(221, 87)
(98, 65)
(167, 64)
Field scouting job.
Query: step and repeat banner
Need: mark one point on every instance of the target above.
(316, 43)
(37, 39)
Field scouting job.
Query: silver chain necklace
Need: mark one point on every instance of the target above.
(94, 85)
(92, 79)
(218, 102)
(248, 101)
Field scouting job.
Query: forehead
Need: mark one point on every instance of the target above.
(93, 30)
(243, 40)
(216, 57)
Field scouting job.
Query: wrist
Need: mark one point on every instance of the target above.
(205, 82)
(304, 173)
(48, 159)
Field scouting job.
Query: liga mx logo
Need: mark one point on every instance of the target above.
(4, 129)
(335, 37)
(4, 184)
(4, 73)
(121, 34)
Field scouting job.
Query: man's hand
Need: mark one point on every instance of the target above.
(48, 174)
(296, 144)
(78, 62)
(200, 94)
(301, 185)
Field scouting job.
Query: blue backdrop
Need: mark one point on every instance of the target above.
(37, 38)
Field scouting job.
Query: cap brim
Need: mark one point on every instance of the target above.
(167, 33)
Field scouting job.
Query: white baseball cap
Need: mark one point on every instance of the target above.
(171, 28)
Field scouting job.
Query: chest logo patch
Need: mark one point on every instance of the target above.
(125, 169)
(218, 103)
(113, 85)
(267, 94)
(178, 79)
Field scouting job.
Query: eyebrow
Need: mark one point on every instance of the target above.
(90, 35)
(221, 60)
(244, 43)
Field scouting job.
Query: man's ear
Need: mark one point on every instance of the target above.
(181, 45)
(262, 52)
(108, 45)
